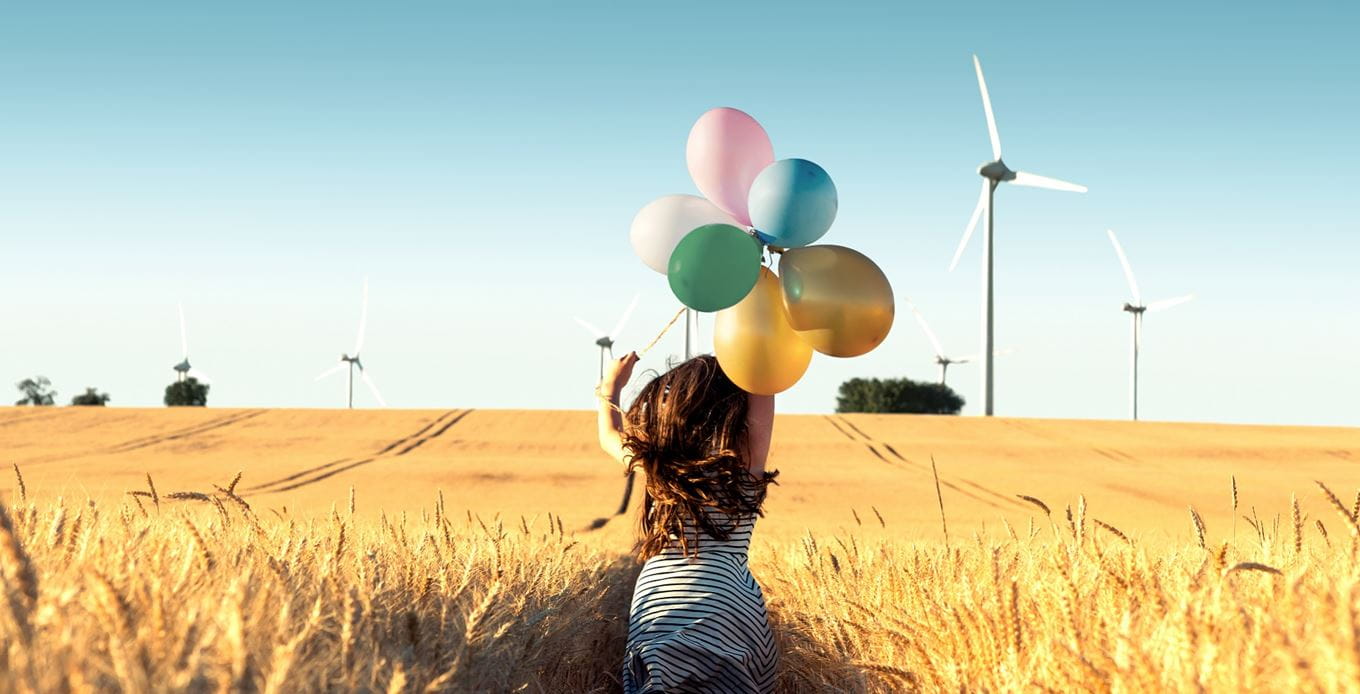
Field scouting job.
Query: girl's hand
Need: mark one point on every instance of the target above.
(616, 375)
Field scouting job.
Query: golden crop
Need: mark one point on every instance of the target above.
(195, 591)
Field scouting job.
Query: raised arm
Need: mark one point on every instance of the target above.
(760, 425)
(609, 419)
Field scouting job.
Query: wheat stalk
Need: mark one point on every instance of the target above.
(155, 498)
(57, 532)
(1032, 500)
(1198, 523)
(19, 479)
(1234, 507)
(1111, 529)
(1255, 566)
(1297, 517)
(21, 584)
(939, 497)
(1341, 509)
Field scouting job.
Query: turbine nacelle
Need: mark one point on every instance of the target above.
(605, 342)
(996, 171)
(1134, 309)
(183, 367)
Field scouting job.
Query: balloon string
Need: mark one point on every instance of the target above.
(661, 334)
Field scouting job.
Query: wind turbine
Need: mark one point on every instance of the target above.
(1136, 309)
(352, 360)
(993, 174)
(940, 357)
(605, 341)
(183, 370)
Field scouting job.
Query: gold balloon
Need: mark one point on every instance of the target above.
(837, 299)
(754, 344)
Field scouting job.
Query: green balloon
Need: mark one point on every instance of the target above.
(714, 267)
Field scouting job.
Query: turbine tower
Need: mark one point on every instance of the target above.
(1136, 309)
(605, 341)
(940, 357)
(183, 370)
(352, 360)
(993, 174)
(691, 332)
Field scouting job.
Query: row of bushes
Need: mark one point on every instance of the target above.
(38, 391)
(856, 395)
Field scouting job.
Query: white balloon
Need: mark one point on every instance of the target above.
(659, 226)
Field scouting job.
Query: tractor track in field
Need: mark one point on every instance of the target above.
(157, 439)
(26, 418)
(216, 423)
(436, 428)
(845, 426)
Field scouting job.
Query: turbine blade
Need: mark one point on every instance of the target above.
(1128, 271)
(333, 370)
(363, 321)
(590, 328)
(1024, 178)
(363, 373)
(202, 377)
(964, 360)
(1165, 304)
(183, 333)
(925, 327)
(972, 224)
(618, 327)
(987, 107)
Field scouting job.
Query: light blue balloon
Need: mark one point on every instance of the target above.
(793, 202)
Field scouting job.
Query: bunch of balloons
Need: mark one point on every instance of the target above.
(830, 299)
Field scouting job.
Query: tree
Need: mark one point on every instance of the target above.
(897, 395)
(37, 391)
(186, 393)
(91, 396)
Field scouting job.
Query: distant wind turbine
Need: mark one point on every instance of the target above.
(605, 341)
(1136, 309)
(993, 174)
(940, 357)
(352, 360)
(183, 370)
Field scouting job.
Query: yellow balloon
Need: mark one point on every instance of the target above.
(837, 299)
(754, 344)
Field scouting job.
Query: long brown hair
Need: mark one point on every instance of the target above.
(687, 430)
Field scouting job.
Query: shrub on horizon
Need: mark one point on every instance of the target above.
(91, 397)
(36, 391)
(897, 395)
(187, 393)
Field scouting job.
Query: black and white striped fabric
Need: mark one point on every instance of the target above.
(698, 624)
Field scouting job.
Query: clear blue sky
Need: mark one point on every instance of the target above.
(481, 164)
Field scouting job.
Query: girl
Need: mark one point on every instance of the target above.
(698, 621)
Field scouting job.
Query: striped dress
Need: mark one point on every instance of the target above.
(698, 624)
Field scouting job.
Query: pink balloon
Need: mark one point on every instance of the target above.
(727, 149)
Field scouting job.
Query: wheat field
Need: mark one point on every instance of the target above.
(201, 591)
